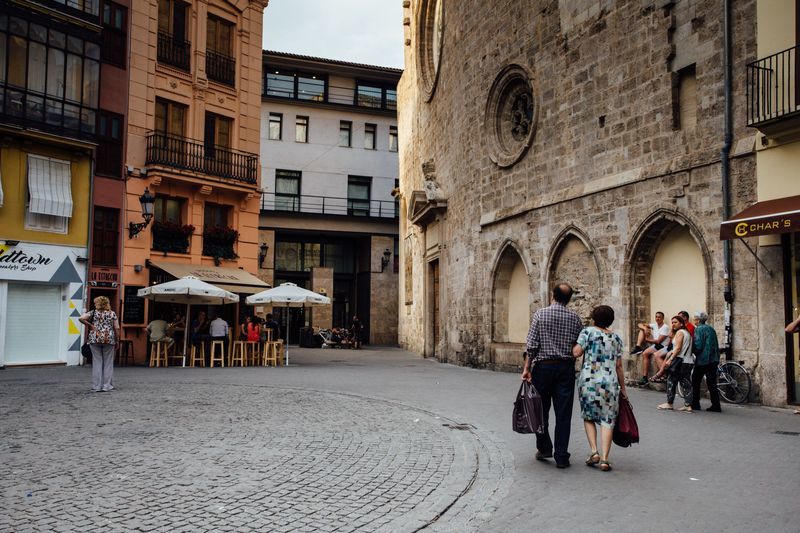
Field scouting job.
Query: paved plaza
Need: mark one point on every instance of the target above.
(376, 440)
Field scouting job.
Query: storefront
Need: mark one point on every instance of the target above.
(41, 298)
(779, 218)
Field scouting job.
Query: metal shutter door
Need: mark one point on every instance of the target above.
(33, 324)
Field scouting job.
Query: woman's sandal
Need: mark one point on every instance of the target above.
(593, 459)
(605, 466)
(665, 407)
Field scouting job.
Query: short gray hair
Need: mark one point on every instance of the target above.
(702, 316)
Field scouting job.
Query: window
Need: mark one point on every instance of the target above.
(168, 210)
(369, 136)
(105, 236)
(275, 126)
(48, 79)
(392, 138)
(109, 144)
(358, 188)
(169, 233)
(173, 47)
(396, 256)
(287, 190)
(218, 130)
(369, 96)
(684, 99)
(345, 133)
(216, 216)
(115, 34)
(391, 98)
(301, 130)
(170, 117)
(278, 84)
(396, 194)
(220, 64)
(310, 88)
(49, 205)
(289, 84)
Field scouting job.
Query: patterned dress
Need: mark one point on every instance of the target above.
(598, 386)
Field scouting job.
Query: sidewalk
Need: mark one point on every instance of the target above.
(371, 440)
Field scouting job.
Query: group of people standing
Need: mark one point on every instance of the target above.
(557, 337)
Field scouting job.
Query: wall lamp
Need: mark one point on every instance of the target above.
(385, 259)
(147, 200)
(262, 254)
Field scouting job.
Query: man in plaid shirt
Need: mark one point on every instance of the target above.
(554, 331)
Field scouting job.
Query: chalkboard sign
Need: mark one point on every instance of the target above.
(133, 306)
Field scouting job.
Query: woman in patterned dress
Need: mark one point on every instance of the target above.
(601, 382)
(103, 339)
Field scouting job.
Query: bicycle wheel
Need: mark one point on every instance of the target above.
(685, 387)
(733, 382)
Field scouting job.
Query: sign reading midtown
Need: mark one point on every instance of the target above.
(37, 262)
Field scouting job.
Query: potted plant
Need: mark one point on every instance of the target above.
(218, 242)
(171, 237)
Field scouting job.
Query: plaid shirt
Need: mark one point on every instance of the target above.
(554, 331)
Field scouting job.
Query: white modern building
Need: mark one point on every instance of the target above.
(329, 161)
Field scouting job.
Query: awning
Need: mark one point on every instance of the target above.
(231, 279)
(764, 218)
(49, 186)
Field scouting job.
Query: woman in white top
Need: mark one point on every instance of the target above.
(679, 362)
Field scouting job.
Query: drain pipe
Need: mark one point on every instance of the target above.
(726, 176)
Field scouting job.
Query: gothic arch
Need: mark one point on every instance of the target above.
(572, 259)
(510, 295)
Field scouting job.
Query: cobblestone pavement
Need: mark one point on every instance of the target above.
(376, 440)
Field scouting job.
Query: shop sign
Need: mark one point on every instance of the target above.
(103, 278)
(39, 262)
(763, 226)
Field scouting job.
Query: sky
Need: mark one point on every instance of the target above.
(361, 31)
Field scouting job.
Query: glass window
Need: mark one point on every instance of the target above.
(167, 210)
(392, 138)
(391, 99)
(369, 96)
(311, 256)
(215, 216)
(219, 37)
(280, 84)
(369, 136)
(115, 35)
(105, 236)
(275, 126)
(287, 256)
(170, 117)
(16, 64)
(358, 193)
(301, 130)
(345, 133)
(339, 257)
(37, 67)
(310, 88)
(287, 190)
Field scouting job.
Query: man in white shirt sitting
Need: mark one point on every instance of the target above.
(219, 332)
(652, 338)
(157, 329)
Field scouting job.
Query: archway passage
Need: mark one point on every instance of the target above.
(669, 272)
(511, 299)
(574, 263)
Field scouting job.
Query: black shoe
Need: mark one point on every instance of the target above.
(637, 350)
(562, 465)
(713, 409)
(543, 456)
(644, 381)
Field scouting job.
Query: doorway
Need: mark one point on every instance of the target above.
(792, 287)
(435, 320)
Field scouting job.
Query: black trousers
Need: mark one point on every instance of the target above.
(555, 382)
(684, 372)
(710, 373)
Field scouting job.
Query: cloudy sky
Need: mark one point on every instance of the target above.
(362, 31)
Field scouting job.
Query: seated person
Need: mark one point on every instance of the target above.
(157, 329)
(652, 338)
(218, 329)
(274, 326)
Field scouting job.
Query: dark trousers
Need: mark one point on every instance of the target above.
(684, 372)
(555, 382)
(710, 373)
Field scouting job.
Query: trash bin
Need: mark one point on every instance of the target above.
(307, 337)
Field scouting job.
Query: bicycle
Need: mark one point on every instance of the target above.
(733, 382)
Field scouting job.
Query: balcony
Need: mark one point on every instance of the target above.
(194, 156)
(773, 94)
(328, 205)
(173, 51)
(221, 68)
(171, 238)
(28, 109)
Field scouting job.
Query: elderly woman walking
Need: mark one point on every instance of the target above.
(600, 383)
(103, 339)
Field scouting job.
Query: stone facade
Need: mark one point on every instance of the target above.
(625, 123)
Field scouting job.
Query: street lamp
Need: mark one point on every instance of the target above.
(385, 259)
(147, 200)
(262, 254)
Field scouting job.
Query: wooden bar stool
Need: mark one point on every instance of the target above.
(172, 353)
(253, 354)
(158, 353)
(125, 352)
(270, 353)
(201, 356)
(238, 354)
(217, 358)
(279, 349)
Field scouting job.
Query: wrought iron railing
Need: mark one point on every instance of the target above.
(33, 110)
(195, 156)
(773, 88)
(173, 51)
(220, 68)
(328, 205)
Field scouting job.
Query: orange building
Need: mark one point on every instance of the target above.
(193, 143)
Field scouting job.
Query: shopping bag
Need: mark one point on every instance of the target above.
(626, 431)
(527, 416)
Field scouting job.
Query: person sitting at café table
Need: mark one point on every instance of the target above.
(158, 332)
(200, 328)
(219, 332)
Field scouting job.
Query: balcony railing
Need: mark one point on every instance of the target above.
(221, 68)
(173, 51)
(328, 205)
(327, 94)
(773, 91)
(32, 110)
(195, 156)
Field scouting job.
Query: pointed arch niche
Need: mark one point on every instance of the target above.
(510, 298)
(572, 261)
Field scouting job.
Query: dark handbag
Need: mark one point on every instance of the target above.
(527, 416)
(86, 350)
(674, 365)
(626, 430)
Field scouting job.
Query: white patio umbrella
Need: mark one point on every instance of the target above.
(188, 290)
(288, 295)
